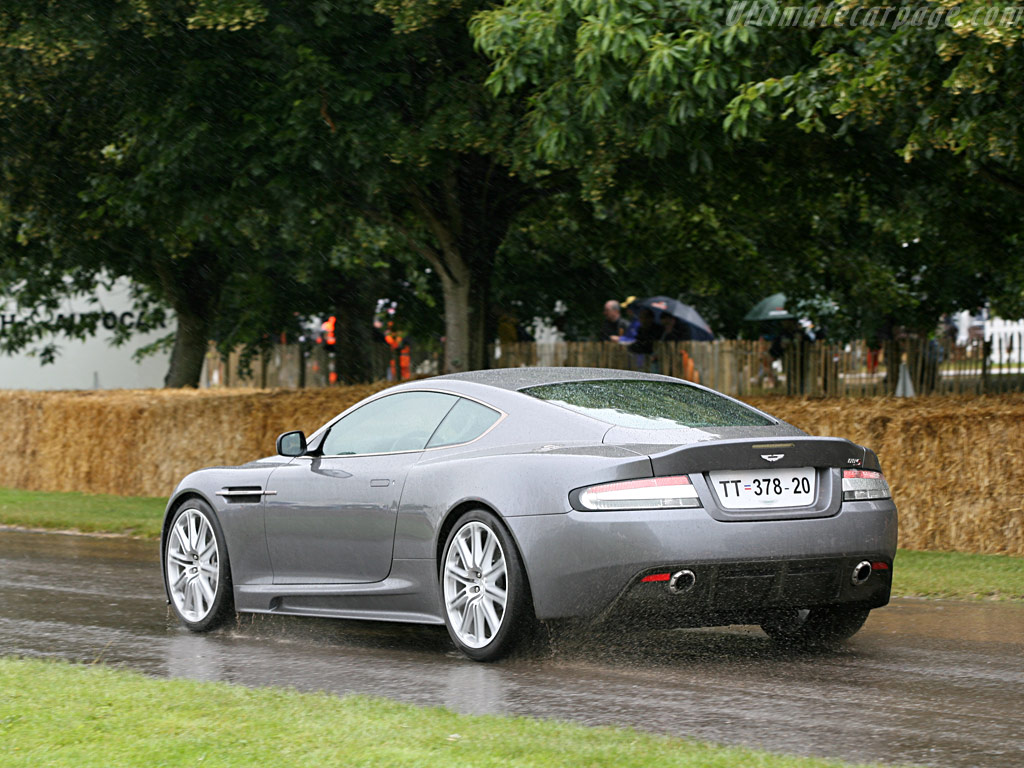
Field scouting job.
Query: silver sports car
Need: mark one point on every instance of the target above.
(494, 500)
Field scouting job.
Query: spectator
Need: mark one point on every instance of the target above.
(632, 322)
(791, 345)
(647, 333)
(510, 329)
(673, 329)
(934, 354)
(614, 325)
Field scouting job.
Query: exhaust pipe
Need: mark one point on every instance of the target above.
(861, 573)
(681, 582)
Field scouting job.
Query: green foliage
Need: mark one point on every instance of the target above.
(944, 97)
(223, 155)
(609, 79)
(950, 84)
(229, 151)
(579, 255)
(125, 148)
(829, 210)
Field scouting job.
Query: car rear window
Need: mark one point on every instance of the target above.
(640, 404)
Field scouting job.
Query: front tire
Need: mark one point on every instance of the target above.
(822, 627)
(196, 570)
(486, 600)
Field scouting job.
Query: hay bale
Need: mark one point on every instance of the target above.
(955, 464)
(141, 443)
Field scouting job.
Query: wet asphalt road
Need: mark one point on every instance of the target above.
(929, 683)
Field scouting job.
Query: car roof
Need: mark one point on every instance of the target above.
(501, 388)
(520, 378)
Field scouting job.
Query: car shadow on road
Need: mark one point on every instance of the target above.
(341, 633)
(678, 647)
(558, 644)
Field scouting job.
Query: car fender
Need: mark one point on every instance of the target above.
(241, 518)
(524, 483)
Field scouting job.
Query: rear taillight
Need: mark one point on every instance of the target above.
(863, 484)
(650, 493)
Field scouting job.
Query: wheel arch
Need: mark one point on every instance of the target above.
(452, 517)
(449, 521)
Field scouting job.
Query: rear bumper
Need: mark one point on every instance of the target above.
(589, 564)
(747, 592)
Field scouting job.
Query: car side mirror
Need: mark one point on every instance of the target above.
(291, 443)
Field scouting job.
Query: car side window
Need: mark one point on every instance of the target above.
(464, 422)
(401, 422)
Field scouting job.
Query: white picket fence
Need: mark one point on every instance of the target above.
(1007, 338)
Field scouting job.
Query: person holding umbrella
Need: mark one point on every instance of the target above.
(687, 325)
(672, 329)
(677, 322)
(648, 332)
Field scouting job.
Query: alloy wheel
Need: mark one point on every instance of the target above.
(193, 565)
(475, 584)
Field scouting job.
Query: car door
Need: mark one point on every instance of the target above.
(331, 518)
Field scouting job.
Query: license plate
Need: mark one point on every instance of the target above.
(756, 488)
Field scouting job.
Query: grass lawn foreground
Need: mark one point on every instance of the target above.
(58, 714)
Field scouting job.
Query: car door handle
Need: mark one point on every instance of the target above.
(381, 483)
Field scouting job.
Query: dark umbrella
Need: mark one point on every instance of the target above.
(698, 329)
(771, 308)
(774, 308)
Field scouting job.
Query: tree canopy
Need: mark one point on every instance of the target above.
(250, 162)
(811, 127)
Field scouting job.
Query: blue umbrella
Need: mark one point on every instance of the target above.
(698, 329)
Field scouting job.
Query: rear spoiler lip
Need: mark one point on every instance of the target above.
(749, 453)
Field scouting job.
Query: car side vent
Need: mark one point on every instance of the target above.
(242, 494)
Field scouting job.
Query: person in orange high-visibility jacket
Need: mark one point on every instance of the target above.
(399, 349)
(327, 326)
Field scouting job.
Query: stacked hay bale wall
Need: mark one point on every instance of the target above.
(141, 443)
(956, 464)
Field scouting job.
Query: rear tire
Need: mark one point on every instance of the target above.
(485, 597)
(196, 570)
(822, 627)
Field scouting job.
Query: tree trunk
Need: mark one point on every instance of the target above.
(466, 294)
(479, 298)
(193, 287)
(468, 213)
(190, 344)
(353, 331)
(456, 287)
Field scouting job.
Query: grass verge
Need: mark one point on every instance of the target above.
(84, 512)
(959, 576)
(58, 714)
(950, 575)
